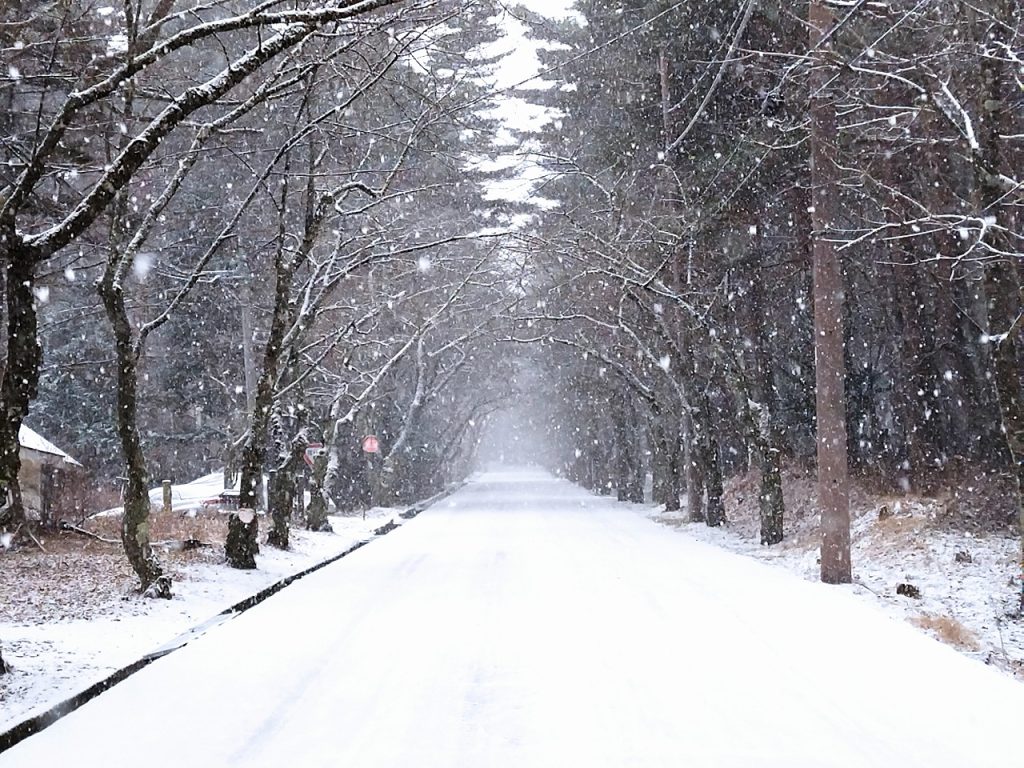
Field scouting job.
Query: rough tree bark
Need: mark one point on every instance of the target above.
(714, 510)
(704, 465)
(21, 255)
(692, 474)
(241, 545)
(21, 373)
(830, 365)
(629, 482)
(316, 513)
(767, 443)
(154, 580)
(665, 462)
(1003, 282)
(281, 493)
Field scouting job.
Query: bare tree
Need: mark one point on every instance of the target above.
(27, 242)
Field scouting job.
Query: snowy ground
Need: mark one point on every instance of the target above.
(54, 658)
(524, 622)
(194, 496)
(967, 580)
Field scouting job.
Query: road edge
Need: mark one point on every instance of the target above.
(43, 720)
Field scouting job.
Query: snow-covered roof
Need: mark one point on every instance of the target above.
(33, 441)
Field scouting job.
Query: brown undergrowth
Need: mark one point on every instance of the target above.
(78, 577)
(951, 537)
(975, 500)
(948, 630)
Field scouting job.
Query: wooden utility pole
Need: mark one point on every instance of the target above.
(829, 363)
(1003, 284)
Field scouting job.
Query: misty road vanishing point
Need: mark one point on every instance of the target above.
(525, 622)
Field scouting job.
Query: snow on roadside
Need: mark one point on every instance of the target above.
(199, 494)
(967, 582)
(54, 660)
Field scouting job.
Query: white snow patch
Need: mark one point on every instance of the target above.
(33, 441)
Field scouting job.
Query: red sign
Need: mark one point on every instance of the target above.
(371, 444)
(311, 453)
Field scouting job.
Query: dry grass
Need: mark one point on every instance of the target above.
(209, 526)
(942, 505)
(949, 631)
(79, 577)
(800, 494)
(899, 533)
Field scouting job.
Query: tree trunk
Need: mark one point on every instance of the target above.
(951, 370)
(709, 463)
(766, 439)
(659, 464)
(349, 475)
(1003, 283)
(626, 469)
(714, 513)
(316, 513)
(154, 581)
(282, 489)
(280, 501)
(772, 503)
(673, 480)
(694, 476)
(241, 545)
(20, 376)
(830, 366)
(1005, 302)
(665, 463)
(914, 388)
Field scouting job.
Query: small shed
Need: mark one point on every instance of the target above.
(45, 468)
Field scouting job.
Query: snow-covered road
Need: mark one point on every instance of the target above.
(526, 623)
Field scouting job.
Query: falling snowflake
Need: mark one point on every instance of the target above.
(143, 264)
